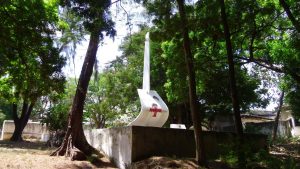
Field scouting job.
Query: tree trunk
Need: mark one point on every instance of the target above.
(20, 122)
(75, 144)
(290, 15)
(200, 155)
(17, 134)
(275, 128)
(233, 89)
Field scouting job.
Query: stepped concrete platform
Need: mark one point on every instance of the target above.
(125, 145)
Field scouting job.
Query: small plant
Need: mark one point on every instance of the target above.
(93, 158)
(231, 159)
(289, 163)
(228, 155)
(282, 140)
(261, 159)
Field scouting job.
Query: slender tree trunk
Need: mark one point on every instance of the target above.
(200, 154)
(75, 144)
(21, 122)
(233, 89)
(275, 128)
(290, 15)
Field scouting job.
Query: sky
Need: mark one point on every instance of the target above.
(123, 15)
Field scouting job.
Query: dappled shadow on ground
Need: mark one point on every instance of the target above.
(75, 166)
(165, 162)
(175, 163)
(24, 145)
(285, 151)
(35, 154)
(103, 162)
(292, 149)
(96, 163)
(83, 166)
(24, 155)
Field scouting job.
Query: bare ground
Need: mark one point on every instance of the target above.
(32, 155)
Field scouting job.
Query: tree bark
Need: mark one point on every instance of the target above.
(275, 128)
(233, 89)
(290, 15)
(75, 144)
(20, 122)
(200, 154)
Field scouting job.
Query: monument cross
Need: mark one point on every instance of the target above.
(151, 102)
(155, 110)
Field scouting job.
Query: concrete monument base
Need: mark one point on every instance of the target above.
(125, 145)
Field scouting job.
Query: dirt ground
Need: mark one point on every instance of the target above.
(32, 155)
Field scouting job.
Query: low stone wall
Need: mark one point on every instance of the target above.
(33, 130)
(125, 145)
(285, 128)
(116, 143)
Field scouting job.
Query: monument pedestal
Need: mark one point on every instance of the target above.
(125, 145)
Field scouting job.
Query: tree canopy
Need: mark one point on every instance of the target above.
(31, 66)
(213, 55)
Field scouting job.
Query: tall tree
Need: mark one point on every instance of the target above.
(233, 88)
(200, 154)
(31, 64)
(96, 20)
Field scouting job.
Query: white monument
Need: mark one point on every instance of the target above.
(154, 112)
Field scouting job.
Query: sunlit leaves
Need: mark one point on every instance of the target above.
(28, 56)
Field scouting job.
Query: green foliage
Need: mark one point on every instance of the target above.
(176, 81)
(168, 70)
(293, 98)
(106, 103)
(107, 100)
(57, 117)
(230, 158)
(5, 110)
(31, 65)
(287, 140)
(210, 57)
(123, 77)
(72, 31)
(265, 159)
(2, 118)
(212, 77)
(260, 159)
(94, 15)
(56, 114)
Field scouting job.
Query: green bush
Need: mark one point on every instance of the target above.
(261, 159)
(2, 118)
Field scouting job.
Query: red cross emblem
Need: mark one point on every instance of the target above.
(154, 110)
